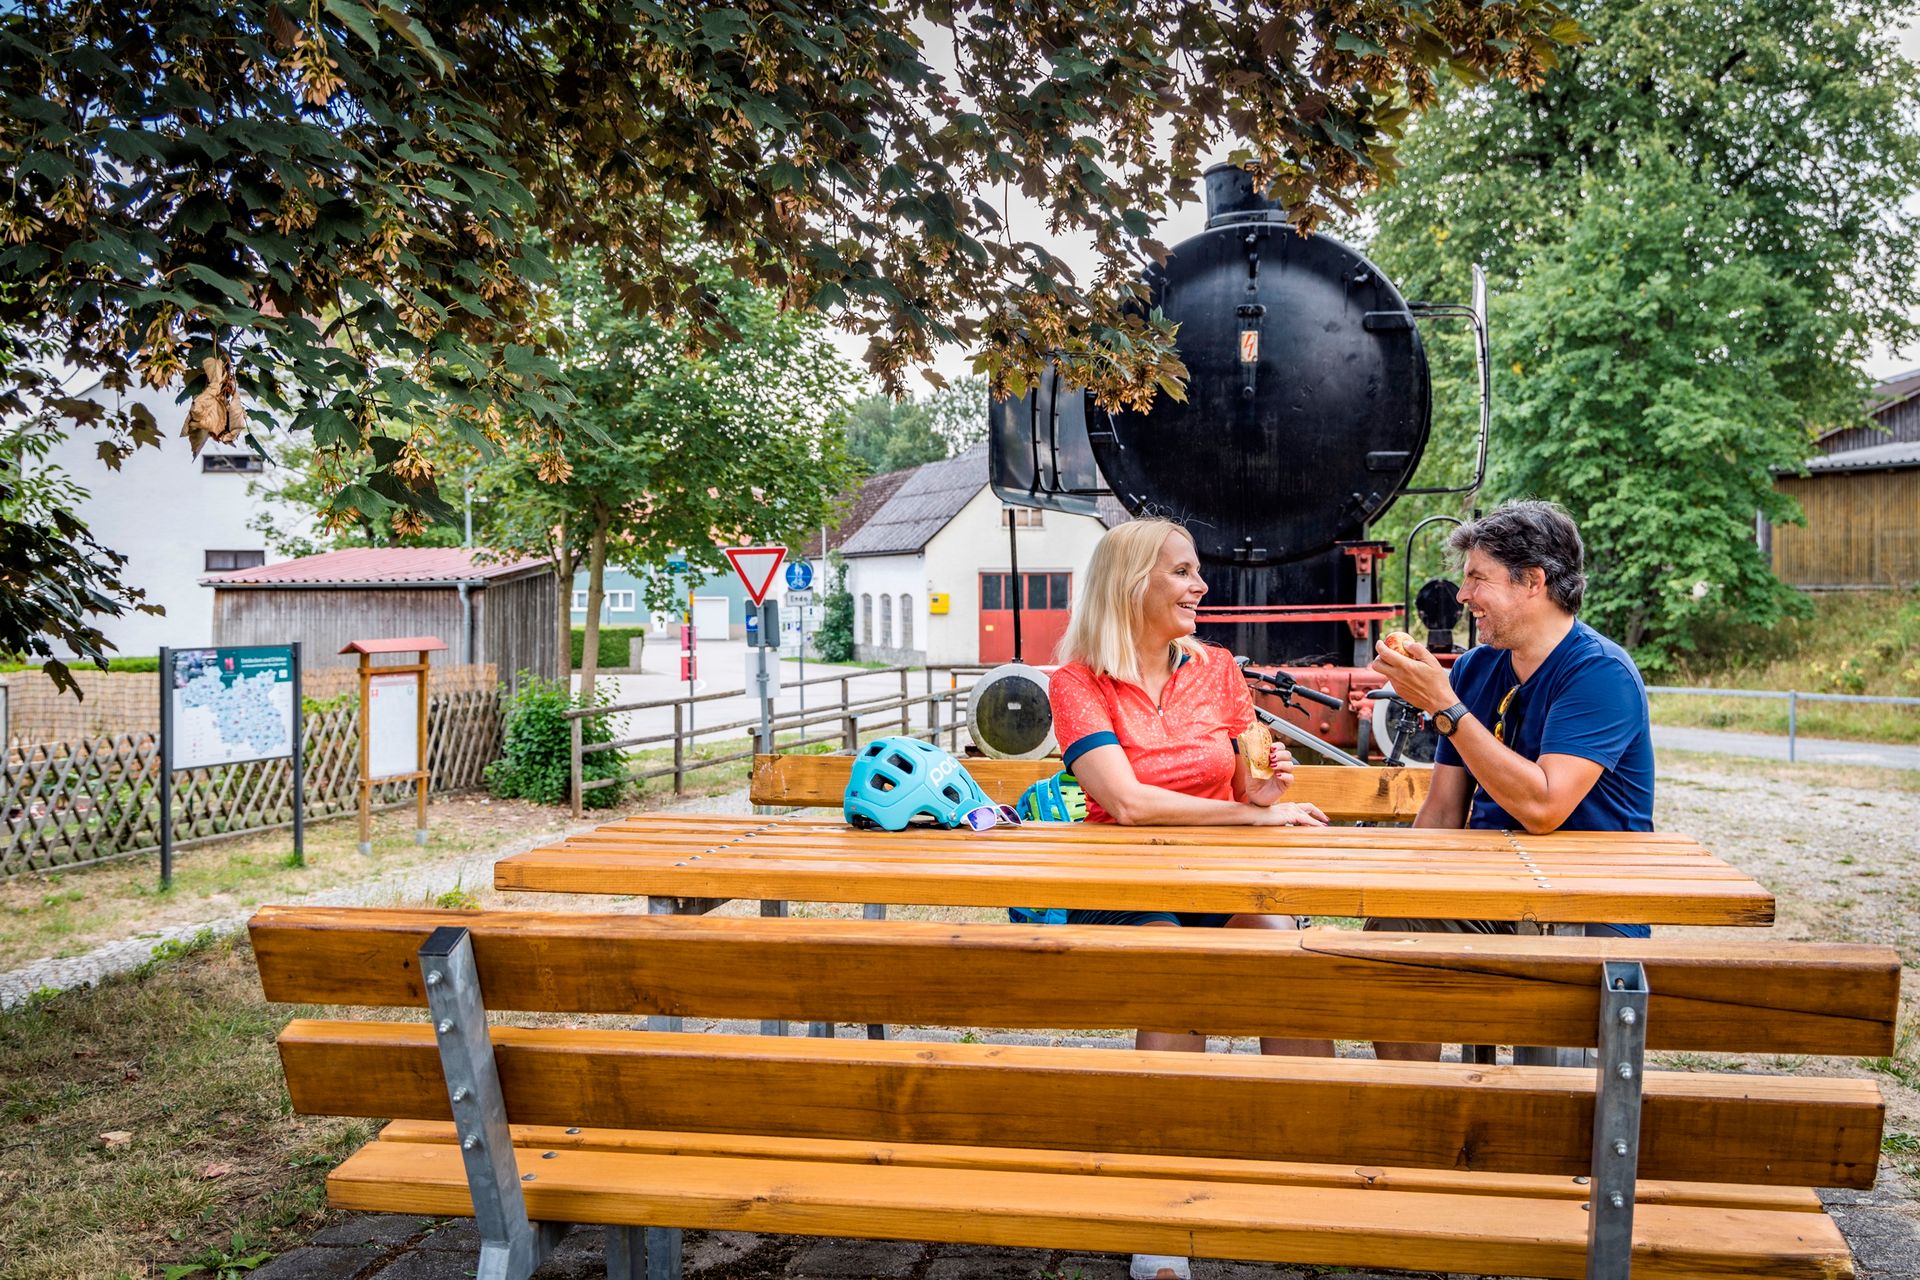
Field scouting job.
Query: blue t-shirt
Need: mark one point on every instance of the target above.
(1587, 699)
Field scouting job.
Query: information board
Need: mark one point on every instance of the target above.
(230, 705)
(393, 720)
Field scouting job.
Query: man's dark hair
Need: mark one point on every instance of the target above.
(1530, 534)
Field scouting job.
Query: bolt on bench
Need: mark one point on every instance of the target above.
(1538, 1171)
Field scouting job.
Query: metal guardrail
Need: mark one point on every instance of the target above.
(1792, 697)
(845, 715)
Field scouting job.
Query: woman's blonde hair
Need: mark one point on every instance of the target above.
(1107, 614)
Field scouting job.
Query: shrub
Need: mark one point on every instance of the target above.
(613, 645)
(834, 640)
(535, 757)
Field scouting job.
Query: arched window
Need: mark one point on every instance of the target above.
(886, 622)
(866, 619)
(906, 622)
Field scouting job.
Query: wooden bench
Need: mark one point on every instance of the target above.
(1346, 794)
(1357, 1163)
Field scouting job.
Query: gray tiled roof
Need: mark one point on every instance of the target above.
(922, 506)
(1875, 457)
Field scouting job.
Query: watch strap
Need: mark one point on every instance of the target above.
(1454, 715)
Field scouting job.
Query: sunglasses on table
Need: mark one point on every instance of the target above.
(988, 816)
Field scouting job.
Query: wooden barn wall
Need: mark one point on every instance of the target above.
(1897, 424)
(515, 629)
(1862, 530)
(325, 620)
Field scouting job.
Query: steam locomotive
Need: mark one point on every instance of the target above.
(1308, 408)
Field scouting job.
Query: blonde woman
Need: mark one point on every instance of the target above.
(1147, 716)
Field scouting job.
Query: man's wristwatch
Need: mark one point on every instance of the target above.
(1445, 722)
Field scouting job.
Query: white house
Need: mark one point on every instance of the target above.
(931, 570)
(175, 517)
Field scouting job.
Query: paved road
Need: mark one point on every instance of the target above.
(723, 666)
(1770, 746)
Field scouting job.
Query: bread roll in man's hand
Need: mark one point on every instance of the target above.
(1398, 641)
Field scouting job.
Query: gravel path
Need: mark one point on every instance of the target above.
(411, 884)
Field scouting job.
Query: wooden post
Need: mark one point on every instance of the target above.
(906, 727)
(426, 762)
(679, 750)
(366, 759)
(574, 735)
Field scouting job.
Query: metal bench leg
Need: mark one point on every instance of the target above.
(626, 1253)
(1616, 1120)
(773, 909)
(663, 1253)
(663, 1021)
(1544, 1056)
(511, 1247)
(875, 911)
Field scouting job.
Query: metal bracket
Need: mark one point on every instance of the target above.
(511, 1247)
(1616, 1119)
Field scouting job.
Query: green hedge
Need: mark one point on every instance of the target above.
(613, 645)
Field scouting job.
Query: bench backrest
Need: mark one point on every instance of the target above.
(1698, 1127)
(1346, 794)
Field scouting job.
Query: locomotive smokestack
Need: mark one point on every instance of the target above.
(1232, 197)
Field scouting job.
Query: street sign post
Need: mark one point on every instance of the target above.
(756, 567)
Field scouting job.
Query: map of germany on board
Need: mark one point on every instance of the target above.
(231, 705)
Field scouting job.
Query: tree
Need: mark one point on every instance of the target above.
(884, 434)
(57, 578)
(834, 640)
(353, 200)
(742, 444)
(1693, 236)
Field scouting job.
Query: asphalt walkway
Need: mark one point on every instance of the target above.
(1770, 746)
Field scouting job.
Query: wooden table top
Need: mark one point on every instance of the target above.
(1565, 877)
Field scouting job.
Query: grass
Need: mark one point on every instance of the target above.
(1856, 642)
(67, 913)
(147, 1125)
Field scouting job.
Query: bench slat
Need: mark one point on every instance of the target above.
(1783, 1131)
(1346, 794)
(1356, 891)
(1311, 1225)
(1111, 1165)
(1733, 997)
(734, 826)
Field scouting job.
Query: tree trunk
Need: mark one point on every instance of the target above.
(563, 567)
(596, 592)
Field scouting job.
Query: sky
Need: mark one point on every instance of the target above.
(1190, 219)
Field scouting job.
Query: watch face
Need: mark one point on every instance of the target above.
(1444, 722)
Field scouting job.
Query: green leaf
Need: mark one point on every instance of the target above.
(207, 275)
(357, 19)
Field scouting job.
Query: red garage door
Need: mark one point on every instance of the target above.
(1045, 601)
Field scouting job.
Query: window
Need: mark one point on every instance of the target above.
(232, 463)
(866, 619)
(906, 622)
(1038, 591)
(226, 561)
(619, 602)
(886, 622)
(1023, 517)
(579, 602)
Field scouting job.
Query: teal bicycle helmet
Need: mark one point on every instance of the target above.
(1055, 799)
(896, 780)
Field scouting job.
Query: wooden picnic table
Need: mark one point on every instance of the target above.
(1656, 878)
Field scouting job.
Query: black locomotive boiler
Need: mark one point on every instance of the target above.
(1308, 409)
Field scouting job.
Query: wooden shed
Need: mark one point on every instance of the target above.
(487, 611)
(1861, 495)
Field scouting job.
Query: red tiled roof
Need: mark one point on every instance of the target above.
(359, 565)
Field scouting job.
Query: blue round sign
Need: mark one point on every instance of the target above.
(799, 575)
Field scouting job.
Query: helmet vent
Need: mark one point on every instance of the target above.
(901, 763)
(881, 782)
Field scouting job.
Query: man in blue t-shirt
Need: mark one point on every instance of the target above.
(1544, 724)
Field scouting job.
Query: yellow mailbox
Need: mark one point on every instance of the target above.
(936, 602)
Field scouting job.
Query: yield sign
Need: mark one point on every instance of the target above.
(756, 567)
